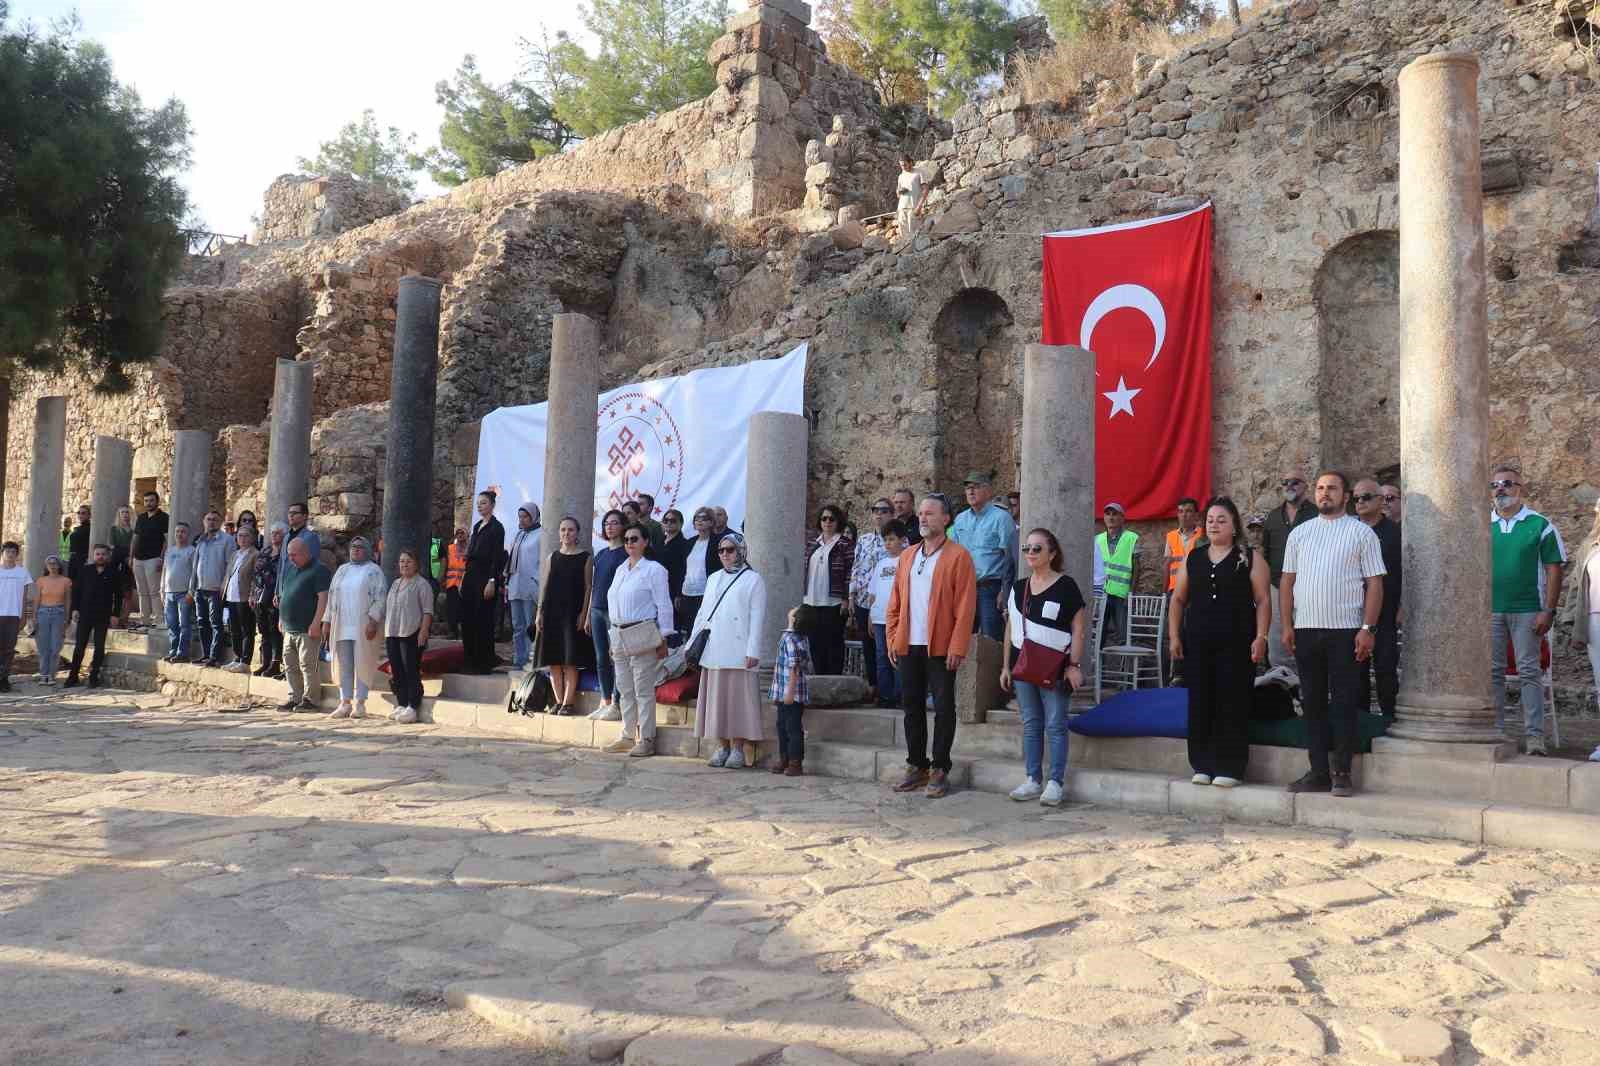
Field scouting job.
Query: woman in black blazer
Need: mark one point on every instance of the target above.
(486, 553)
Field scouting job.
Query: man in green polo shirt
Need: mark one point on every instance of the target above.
(302, 603)
(1527, 558)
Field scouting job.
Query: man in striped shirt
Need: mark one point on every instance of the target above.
(1331, 595)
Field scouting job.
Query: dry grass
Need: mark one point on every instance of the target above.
(1076, 65)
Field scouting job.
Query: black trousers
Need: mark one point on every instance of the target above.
(1386, 664)
(1330, 683)
(271, 640)
(242, 629)
(827, 639)
(405, 669)
(477, 630)
(452, 605)
(791, 735)
(89, 628)
(920, 672)
(1219, 676)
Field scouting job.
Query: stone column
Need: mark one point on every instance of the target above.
(569, 438)
(289, 448)
(408, 463)
(1444, 407)
(1058, 396)
(775, 517)
(44, 484)
(191, 479)
(113, 478)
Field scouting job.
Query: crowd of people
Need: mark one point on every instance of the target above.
(1315, 586)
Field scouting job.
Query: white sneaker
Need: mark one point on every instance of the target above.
(405, 715)
(598, 714)
(360, 710)
(719, 758)
(610, 713)
(1028, 790)
(1200, 779)
(1594, 756)
(1224, 782)
(341, 711)
(735, 759)
(1052, 794)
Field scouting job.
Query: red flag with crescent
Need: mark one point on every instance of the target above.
(1138, 295)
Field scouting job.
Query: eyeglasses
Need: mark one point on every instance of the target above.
(883, 510)
(730, 550)
(1364, 497)
(1033, 549)
(633, 540)
(1504, 484)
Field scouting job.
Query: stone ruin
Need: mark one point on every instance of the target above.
(729, 229)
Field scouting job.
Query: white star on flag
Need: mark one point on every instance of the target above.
(1121, 398)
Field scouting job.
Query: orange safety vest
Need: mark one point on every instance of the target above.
(1177, 549)
(455, 566)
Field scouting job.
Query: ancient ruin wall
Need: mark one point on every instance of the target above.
(298, 205)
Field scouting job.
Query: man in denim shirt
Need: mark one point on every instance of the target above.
(213, 549)
(989, 535)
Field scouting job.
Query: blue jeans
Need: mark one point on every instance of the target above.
(350, 686)
(521, 619)
(791, 735)
(1518, 628)
(600, 630)
(988, 619)
(1044, 715)
(888, 679)
(180, 624)
(49, 636)
(208, 609)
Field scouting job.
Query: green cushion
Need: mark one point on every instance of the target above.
(1291, 732)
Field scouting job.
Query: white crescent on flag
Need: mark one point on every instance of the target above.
(1118, 296)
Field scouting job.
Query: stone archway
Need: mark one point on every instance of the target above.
(1357, 296)
(979, 388)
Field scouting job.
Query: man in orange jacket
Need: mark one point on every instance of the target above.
(929, 626)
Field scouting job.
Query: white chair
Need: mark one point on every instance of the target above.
(1137, 659)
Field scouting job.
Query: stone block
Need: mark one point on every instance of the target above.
(961, 217)
(1583, 787)
(1120, 788)
(1530, 781)
(1004, 127)
(1022, 147)
(819, 173)
(1413, 1039)
(846, 237)
(578, 732)
(837, 690)
(1243, 803)
(355, 503)
(978, 680)
(1500, 171)
(1438, 778)
(685, 1049)
(1242, 53)
(676, 740)
(1170, 111)
(996, 775)
(1388, 813)
(854, 762)
(1541, 827)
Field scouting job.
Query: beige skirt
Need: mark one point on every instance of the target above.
(727, 705)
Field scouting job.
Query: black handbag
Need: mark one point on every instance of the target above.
(697, 646)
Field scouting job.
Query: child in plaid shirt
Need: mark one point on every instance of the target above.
(790, 692)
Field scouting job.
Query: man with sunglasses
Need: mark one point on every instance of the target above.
(1296, 510)
(1527, 556)
(1393, 504)
(1386, 651)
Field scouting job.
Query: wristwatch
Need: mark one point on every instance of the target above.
(1370, 628)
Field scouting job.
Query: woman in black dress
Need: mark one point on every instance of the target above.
(1221, 611)
(486, 553)
(565, 581)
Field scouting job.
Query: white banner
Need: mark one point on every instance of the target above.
(683, 440)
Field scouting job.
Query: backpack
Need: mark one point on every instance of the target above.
(533, 695)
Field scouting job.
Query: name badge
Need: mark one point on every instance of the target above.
(1051, 611)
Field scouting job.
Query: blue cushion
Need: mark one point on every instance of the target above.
(1141, 712)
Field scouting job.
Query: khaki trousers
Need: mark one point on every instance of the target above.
(302, 665)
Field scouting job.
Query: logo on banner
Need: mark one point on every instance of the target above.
(641, 450)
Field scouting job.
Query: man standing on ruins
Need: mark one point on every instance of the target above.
(213, 550)
(909, 195)
(1526, 563)
(303, 600)
(1386, 650)
(149, 545)
(97, 605)
(1295, 510)
(1331, 595)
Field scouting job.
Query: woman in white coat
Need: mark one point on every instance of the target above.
(733, 610)
(353, 627)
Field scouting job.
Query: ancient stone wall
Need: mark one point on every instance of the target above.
(299, 205)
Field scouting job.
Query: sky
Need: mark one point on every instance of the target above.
(266, 83)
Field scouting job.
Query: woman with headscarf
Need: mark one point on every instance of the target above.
(263, 591)
(50, 618)
(522, 581)
(480, 587)
(353, 627)
(733, 609)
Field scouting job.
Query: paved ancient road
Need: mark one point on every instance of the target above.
(184, 886)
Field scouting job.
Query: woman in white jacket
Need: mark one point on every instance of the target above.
(352, 627)
(733, 610)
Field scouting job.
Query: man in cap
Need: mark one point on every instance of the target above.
(1116, 552)
(988, 534)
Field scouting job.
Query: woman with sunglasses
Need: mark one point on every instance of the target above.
(728, 706)
(700, 562)
(829, 560)
(640, 613)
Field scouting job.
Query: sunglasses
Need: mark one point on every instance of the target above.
(827, 518)
(1288, 481)
(1504, 484)
(1033, 549)
(728, 551)
(883, 510)
(1363, 497)
(633, 540)
(1389, 499)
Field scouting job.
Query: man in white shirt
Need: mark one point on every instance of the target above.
(1331, 594)
(910, 194)
(16, 602)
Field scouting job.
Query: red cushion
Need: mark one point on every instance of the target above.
(436, 662)
(682, 689)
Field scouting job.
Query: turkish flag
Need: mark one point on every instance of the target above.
(1138, 295)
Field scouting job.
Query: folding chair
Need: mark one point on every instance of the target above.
(1138, 659)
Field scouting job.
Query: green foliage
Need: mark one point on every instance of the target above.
(915, 50)
(91, 210)
(1120, 18)
(651, 58)
(363, 150)
(488, 127)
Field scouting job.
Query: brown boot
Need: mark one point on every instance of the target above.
(794, 769)
(915, 778)
(780, 766)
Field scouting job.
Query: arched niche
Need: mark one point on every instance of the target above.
(1357, 297)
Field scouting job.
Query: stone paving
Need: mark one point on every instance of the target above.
(186, 886)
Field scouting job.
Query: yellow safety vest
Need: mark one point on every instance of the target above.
(1119, 564)
(1177, 550)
